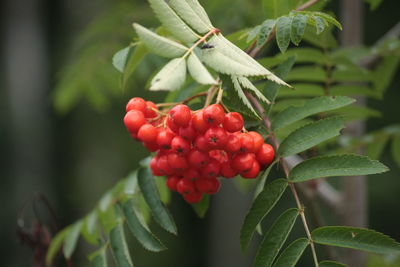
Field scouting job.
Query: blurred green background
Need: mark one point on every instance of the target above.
(70, 144)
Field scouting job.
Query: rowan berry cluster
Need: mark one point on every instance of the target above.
(195, 147)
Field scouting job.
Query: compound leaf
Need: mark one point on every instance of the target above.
(171, 77)
(338, 165)
(119, 246)
(291, 255)
(261, 206)
(275, 238)
(158, 44)
(198, 71)
(355, 238)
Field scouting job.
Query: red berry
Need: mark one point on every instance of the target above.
(233, 144)
(253, 172)
(172, 126)
(218, 155)
(246, 143)
(214, 114)
(154, 168)
(148, 133)
(177, 162)
(198, 159)
(152, 147)
(181, 115)
(201, 143)
(185, 186)
(258, 141)
(211, 169)
(233, 122)
(187, 132)
(149, 110)
(227, 171)
(133, 120)
(193, 197)
(191, 174)
(164, 139)
(136, 103)
(265, 155)
(180, 145)
(208, 185)
(163, 166)
(216, 137)
(242, 162)
(172, 181)
(198, 123)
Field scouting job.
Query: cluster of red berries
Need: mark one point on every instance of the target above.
(195, 147)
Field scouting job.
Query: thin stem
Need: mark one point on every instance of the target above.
(202, 39)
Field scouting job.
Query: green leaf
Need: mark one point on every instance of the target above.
(150, 194)
(55, 245)
(277, 8)
(248, 85)
(202, 207)
(375, 148)
(271, 89)
(119, 59)
(298, 27)
(134, 58)
(326, 17)
(275, 238)
(352, 90)
(171, 77)
(355, 238)
(189, 15)
(198, 71)
(307, 74)
(307, 55)
(325, 40)
(396, 149)
(265, 30)
(242, 96)
(99, 258)
(283, 29)
(261, 206)
(199, 10)
(106, 212)
(310, 107)
(163, 190)
(131, 185)
(302, 90)
(89, 229)
(263, 179)
(71, 239)
(310, 135)
(292, 253)
(384, 73)
(158, 44)
(172, 22)
(119, 247)
(139, 228)
(320, 24)
(331, 264)
(338, 165)
(373, 3)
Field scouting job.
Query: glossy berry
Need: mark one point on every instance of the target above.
(198, 122)
(149, 111)
(181, 115)
(227, 171)
(211, 169)
(171, 182)
(253, 172)
(198, 159)
(133, 120)
(258, 141)
(233, 144)
(201, 143)
(185, 186)
(152, 147)
(208, 185)
(154, 168)
(265, 155)
(191, 174)
(242, 162)
(180, 145)
(177, 163)
(214, 114)
(188, 132)
(148, 133)
(246, 143)
(216, 137)
(233, 122)
(172, 126)
(193, 197)
(219, 155)
(164, 139)
(136, 103)
(163, 166)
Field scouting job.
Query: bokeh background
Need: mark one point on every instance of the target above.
(62, 136)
